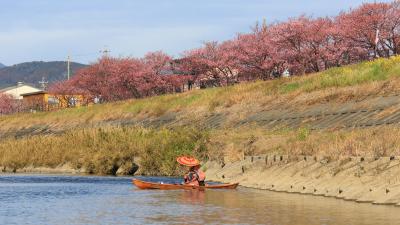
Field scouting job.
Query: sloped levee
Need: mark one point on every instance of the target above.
(367, 180)
(369, 111)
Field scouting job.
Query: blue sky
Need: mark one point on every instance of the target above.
(52, 29)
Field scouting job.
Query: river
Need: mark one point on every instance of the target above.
(51, 199)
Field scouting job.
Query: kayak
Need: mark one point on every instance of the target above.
(150, 185)
(161, 186)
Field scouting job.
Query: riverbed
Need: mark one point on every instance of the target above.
(55, 199)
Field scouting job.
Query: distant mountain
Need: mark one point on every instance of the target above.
(33, 72)
(2, 65)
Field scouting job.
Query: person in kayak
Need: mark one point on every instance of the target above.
(195, 176)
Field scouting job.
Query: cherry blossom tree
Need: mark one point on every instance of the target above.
(305, 44)
(391, 29)
(364, 28)
(159, 62)
(213, 64)
(257, 55)
(114, 79)
(301, 45)
(7, 104)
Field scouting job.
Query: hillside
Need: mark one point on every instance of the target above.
(33, 72)
(2, 65)
(346, 111)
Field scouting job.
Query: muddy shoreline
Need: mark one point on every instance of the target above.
(64, 169)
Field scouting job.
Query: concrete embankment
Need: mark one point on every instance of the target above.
(368, 180)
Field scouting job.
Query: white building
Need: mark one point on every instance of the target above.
(286, 73)
(18, 90)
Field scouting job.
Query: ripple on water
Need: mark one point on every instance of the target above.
(41, 199)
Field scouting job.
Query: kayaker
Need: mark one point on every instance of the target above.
(195, 176)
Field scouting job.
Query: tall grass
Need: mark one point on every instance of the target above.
(105, 150)
(371, 142)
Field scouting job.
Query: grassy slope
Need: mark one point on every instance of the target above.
(103, 150)
(364, 78)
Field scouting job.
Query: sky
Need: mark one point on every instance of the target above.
(50, 30)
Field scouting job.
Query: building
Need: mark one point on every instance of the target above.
(19, 90)
(286, 73)
(44, 101)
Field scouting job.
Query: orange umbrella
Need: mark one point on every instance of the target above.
(188, 161)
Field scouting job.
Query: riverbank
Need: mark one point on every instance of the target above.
(335, 115)
(145, 151)
(103, 151)
(64, 169)
(373, 180)
(359, 179)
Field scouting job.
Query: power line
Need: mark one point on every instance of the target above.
(85, 54)
(105, 51)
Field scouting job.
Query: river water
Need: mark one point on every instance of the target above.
(48, 199)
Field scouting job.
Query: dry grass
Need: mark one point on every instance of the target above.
(103, 151)
(371, 142)
(337, 84)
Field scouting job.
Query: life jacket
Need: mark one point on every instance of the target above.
(201, 177)
(195, 178)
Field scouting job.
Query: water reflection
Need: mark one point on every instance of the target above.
(112, 200)
(192, 197)
(247, 206)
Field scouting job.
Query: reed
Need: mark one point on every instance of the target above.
(105, 150)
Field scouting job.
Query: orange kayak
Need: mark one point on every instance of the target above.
(149, 185)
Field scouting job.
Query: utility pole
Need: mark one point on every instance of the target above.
(105, 51)
(43, 83)
(68, 67)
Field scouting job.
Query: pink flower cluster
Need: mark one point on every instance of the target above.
(298, 46)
